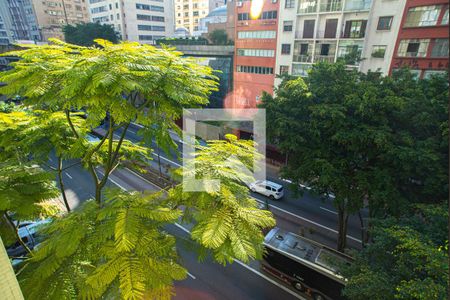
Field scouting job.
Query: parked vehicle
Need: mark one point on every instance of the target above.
(267, 188)
(29, 235)
(306, 265)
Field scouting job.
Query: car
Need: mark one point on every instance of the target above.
(267, 188)
(29, 236)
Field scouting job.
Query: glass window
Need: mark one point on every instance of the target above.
(427, 74)
(440, 48)
(422, 16)
(445, 18)
(307, 6)
(378, 51)
(289, 4)
(284, 70)
(384, 23)
(285, 48)
(257, 34)
(287, 25)
(413, 48)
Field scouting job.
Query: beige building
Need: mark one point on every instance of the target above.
(189, 12)
(53, 15)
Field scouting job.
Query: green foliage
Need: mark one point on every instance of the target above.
(405, 261)
(6, 107)
(219, 37)
(226, 219)
(363, 137)
(85, 34)
(117, 249)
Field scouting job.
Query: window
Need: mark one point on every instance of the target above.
(324, 49)
(287, 25)
(284, 70)
(440, 48)
(186, 14)
(195, 14)
(285, 48)
(150, 7)
(445, 18)
(427, 74)
(243, 17)
(110, 6)
(151, 28)
(307, 6)
(254, 70)
(267, 15)
(256, 52)
(146, 38)
(117, 4)
(150, 18)
(98, 9)
(289, 4)
(422, 16)
(413, 48)
(378, 51)
(304, 49)
(308, 28)
(384, 23)
(186, 6)
(118, 17)
(355, 29)
(257, 34)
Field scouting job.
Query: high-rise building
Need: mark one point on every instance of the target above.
(312, 31)
(144, 21)
(189, 12)
(53, 15)
(422, 42)
(255, 53)
(18, 21)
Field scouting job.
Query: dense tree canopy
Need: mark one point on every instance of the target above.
(116, 245)
(368, 139)
(85, 34)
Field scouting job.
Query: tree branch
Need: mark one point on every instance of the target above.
(71, 124)
(16, 232)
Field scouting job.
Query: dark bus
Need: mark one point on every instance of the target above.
(308, 266)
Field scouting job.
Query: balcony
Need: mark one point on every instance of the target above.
(324, 58)
(303, 58)
(307, 9)
(357, 5)
(331, 6)
(321, 35)
(308, 35)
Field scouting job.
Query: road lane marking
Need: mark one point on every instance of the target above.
(307, 220)
(328, 210)
(113, 181)
(162, 157)
(68, 175)
(190, 275)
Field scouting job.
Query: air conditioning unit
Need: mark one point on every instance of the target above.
(239, 4)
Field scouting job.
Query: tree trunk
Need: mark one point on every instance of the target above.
(342, 229)
(61, 183)
(16, 232)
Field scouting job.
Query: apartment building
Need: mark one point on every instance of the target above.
(144, 21)
(382, 29)
(52, 15)
(189, 12)
(312, 31)
(422, 42)
(18, 21)
(255, 53)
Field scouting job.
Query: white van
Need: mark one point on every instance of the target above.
(267, 188)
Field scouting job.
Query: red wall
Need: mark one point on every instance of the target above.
(246, 86)
(430, 32)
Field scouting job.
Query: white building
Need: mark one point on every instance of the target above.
(143, 21)
(189, 12)
(382, 29)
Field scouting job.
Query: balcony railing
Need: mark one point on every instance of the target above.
(324, 58)
(357, 5)
(299, 35)
(303, 58)
(321, 35)
(308, 9)
(412, 54)
(331, 6)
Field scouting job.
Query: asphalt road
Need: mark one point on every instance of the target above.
(206, 280)
(314, 215)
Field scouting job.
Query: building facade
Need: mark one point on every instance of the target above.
(422, 42)
(216, 19)
(255, 53)
(18, 22)
(144, 21)
(313, 31)
(189, 12)
(52, 15)
(382, 29)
